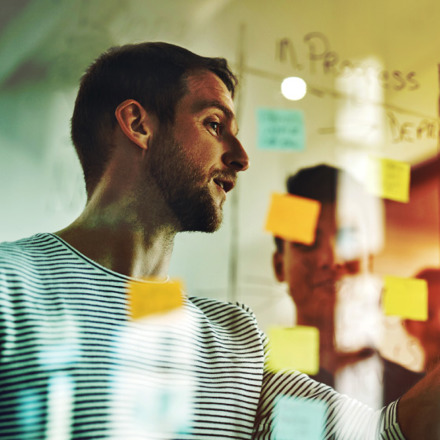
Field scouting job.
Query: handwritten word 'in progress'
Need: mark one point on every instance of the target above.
(320, 54)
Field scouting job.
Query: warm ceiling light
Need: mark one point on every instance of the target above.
(294, 88)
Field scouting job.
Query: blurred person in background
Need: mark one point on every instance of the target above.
(332, 287)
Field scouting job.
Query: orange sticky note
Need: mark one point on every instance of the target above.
(406, 297)
(294, 348)
(293, 218)
(148, 298)
(389, 179)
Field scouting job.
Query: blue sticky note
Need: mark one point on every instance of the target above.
(31, 411)
(163, 410)
(299, 418)
(280, 129)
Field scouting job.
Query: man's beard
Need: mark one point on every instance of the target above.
(184, 189)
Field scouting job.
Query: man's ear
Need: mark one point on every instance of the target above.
(278, 265)
(135, 122)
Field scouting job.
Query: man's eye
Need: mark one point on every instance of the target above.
(305, 247)
(215, 127)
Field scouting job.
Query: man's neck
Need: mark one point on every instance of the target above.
(134, 254)
(119, 235)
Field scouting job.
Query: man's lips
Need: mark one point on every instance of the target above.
(327, 283)
(226, 183)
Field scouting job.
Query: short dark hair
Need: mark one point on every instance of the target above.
(153, 73)
(319, 182)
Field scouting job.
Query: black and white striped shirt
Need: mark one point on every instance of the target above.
(73, 366)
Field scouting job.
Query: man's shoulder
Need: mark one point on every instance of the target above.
(214, 307)
(21, 252)
(236, 316)
(10, 249)
(231, 325)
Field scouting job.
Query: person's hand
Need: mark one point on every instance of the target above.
(418, 411)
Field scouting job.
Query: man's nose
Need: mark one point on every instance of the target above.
(326, 255)
(330, 259)
(236, 157)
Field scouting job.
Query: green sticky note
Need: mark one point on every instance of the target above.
(293, 218)
(280, 129)
(389, 179)
(299, 418)
(406, 297)
(294, 348)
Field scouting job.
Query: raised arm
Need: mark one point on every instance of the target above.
(418, 411)
(346, 418)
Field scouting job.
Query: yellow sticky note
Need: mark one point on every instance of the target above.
(148, 298)
(406, 297)
(294, 348)
(389, 179)
(293, 218)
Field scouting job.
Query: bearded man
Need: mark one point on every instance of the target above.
(155, 131)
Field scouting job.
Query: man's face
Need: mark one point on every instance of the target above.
(195, 162)
(312, 272)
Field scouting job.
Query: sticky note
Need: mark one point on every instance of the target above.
(406, 297)
(31, 410)
(148, 298)
(294, 348)
(280, 129)
(299, 418)
(163, 410)
(293, 218)
(389, 179)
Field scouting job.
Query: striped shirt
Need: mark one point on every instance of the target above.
(74, 366)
